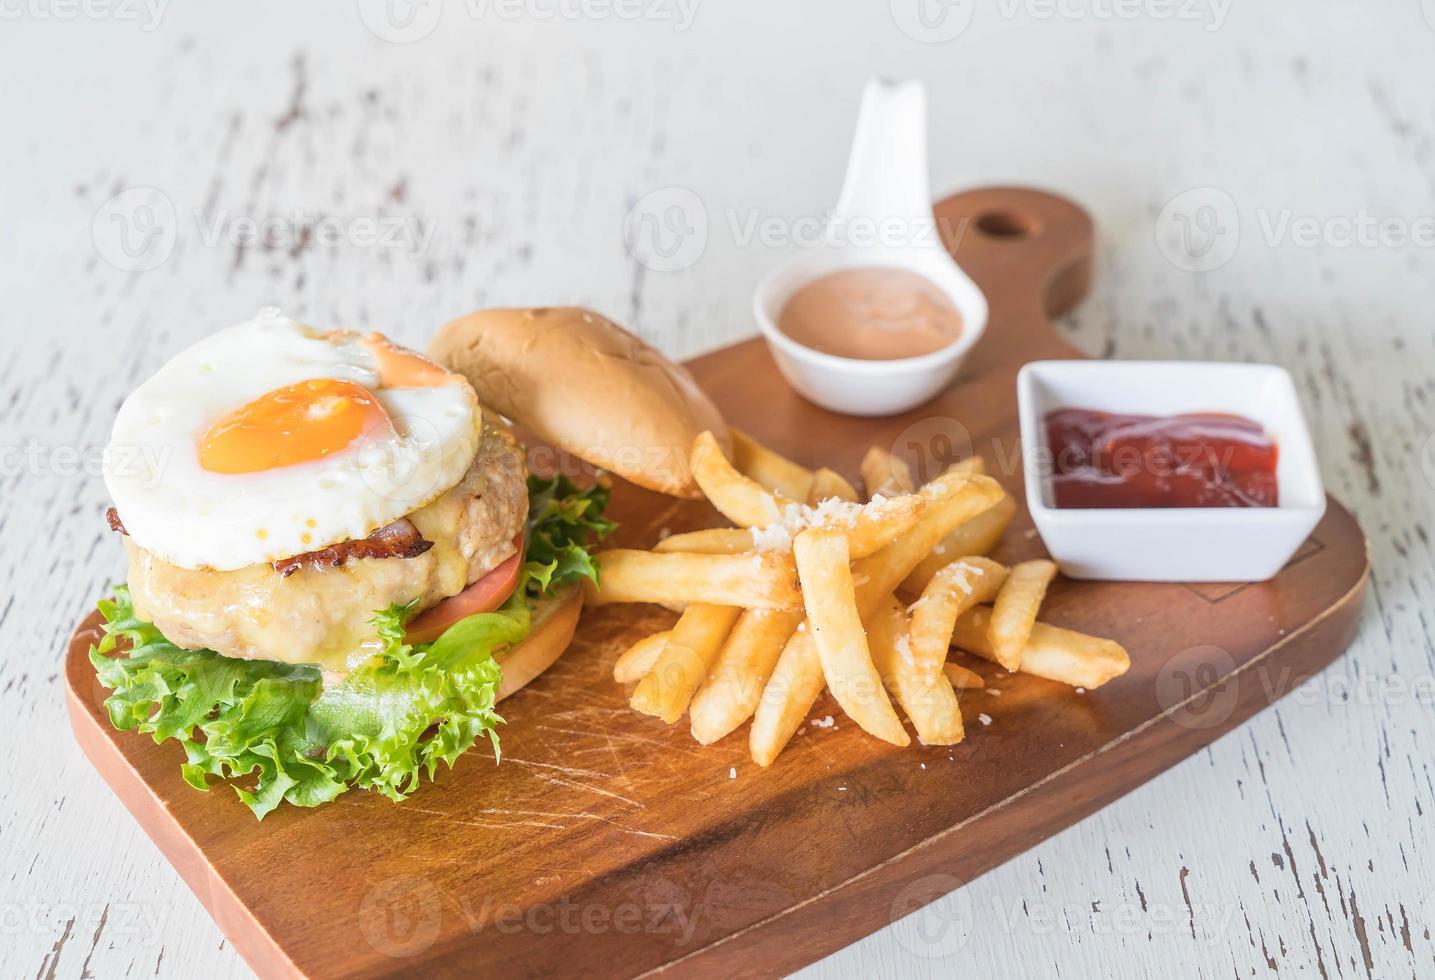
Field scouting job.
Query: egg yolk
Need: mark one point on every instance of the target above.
(299, 423)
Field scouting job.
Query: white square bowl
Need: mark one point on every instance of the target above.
(1177, 544)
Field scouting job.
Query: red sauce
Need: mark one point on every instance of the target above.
(1201, 460)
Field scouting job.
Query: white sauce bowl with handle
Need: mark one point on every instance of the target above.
(883, 218)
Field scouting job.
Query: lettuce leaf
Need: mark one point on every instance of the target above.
(275, 733)
(298, 740)
(563, 520)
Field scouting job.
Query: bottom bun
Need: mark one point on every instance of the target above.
(554, 620)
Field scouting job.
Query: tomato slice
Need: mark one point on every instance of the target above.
(485, 595)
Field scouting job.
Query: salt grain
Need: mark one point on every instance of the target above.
(732, 773)
(832, 512)
(904, 647)
(960, 577)
(984, 718)
(774, 537)
(827, 722)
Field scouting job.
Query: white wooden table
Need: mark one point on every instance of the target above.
(492, 157)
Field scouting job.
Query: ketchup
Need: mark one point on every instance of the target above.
(1100, 459)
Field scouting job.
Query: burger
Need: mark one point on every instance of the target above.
(338, 560)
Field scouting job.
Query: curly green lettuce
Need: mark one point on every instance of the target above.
(563, 519)
(273, 732)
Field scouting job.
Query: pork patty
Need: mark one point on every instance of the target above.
(319, 614)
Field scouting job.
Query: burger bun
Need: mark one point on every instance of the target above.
(580, 382)
(555, 618)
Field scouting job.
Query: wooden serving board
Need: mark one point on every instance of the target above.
(610, 845)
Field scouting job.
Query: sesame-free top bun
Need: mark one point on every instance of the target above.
(580, 382)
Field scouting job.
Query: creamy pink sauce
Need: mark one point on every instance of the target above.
(871, 313)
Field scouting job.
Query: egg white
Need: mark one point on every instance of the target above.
(194, 518)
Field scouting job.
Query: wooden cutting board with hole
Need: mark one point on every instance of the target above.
(610, 845)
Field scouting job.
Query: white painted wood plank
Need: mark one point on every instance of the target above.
(1297, 844)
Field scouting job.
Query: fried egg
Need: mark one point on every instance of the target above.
(273, 438)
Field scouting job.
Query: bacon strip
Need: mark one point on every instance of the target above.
(397, 540)
(113, 516)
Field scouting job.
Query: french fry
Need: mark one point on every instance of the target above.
(794, 685)
(762, 580)
(827, 484)
(955, 588)
(962, 678)
(968, 466)
(1015, 609)
(740, 499)
(768, 469)
(734, 685)
(797, 679)
(639, 658)
(885, 475)
(929, 702)
(824, 569)
(947, 506)
(878, 524)
(684, 661)
(1057, 654)
(868, 529)
(977, 536)
(713, 541)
